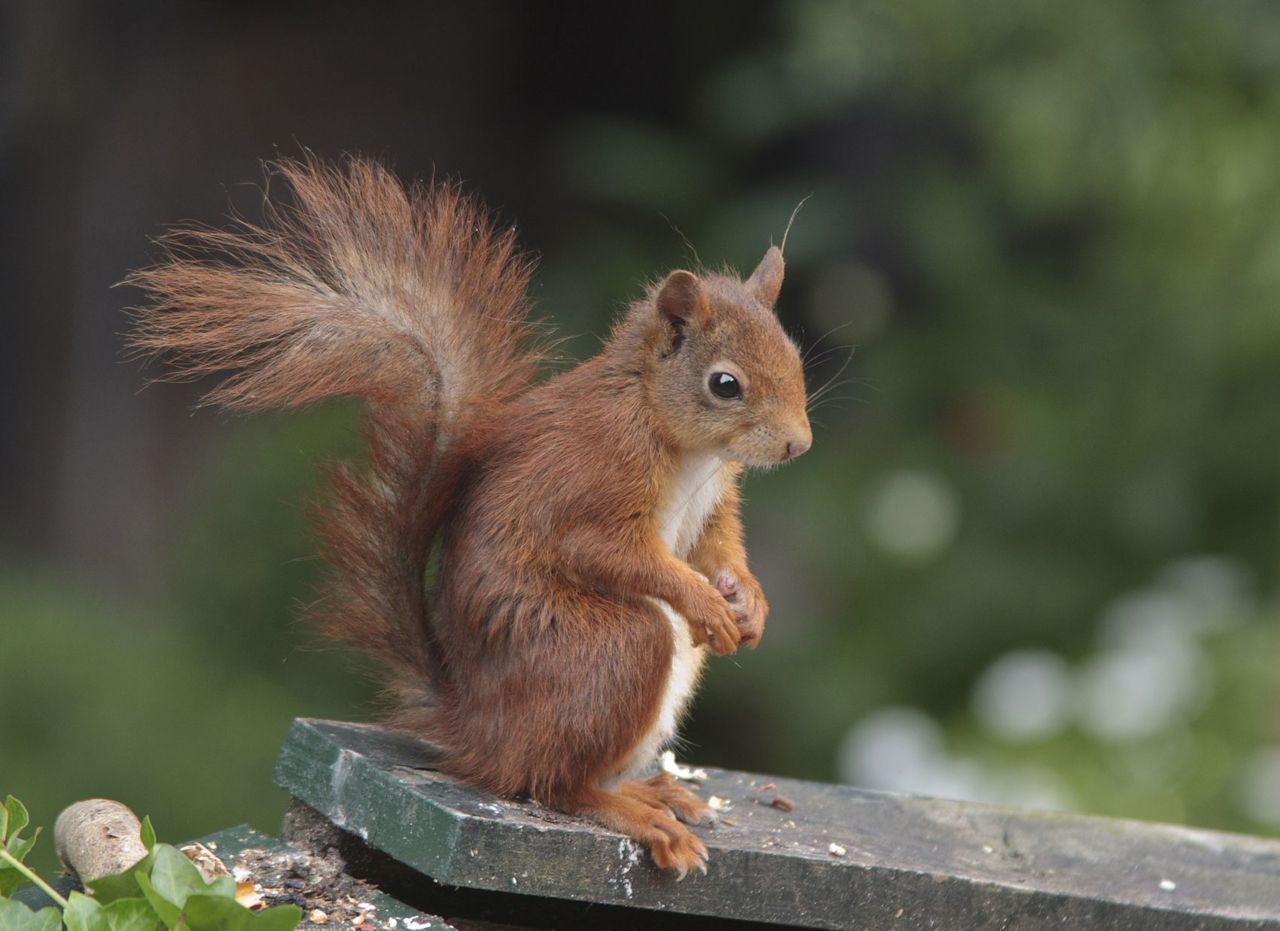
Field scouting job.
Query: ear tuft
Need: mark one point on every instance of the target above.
(681, 300)
(766, 281)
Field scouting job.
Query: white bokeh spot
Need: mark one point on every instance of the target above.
(1024, 695)
(913, 515)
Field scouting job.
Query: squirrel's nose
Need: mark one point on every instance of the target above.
(800, 441)
(797, 446)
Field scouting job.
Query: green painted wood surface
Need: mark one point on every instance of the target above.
(906, 862)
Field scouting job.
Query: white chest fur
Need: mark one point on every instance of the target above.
(697, 488)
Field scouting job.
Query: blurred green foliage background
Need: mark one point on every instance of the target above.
(1032, 556)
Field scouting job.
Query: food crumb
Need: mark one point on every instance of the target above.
(247, 895)
(1168, 885)
(836, 850)
(669, 765)
(769, 795)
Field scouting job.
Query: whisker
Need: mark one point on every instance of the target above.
(829, 384)
(839, 397)
(852, 380)
(836, 381)
(827, 354)
(835, 329)
(828, 388)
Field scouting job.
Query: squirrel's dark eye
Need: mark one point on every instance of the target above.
(724, 385)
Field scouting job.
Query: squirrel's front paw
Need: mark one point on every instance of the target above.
(743, 593)
(712, 621)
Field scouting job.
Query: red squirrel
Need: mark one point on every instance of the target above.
(583, 529)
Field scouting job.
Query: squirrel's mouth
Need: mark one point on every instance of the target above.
(757, 459)
(769, 451)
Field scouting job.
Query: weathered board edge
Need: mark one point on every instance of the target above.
(877, 894)
(364, 813)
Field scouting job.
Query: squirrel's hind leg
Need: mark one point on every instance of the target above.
(564, 710)
(672, 845)
(666, 794)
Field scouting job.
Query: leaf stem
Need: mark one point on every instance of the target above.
(29, 874)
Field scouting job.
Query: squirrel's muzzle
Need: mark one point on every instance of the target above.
(799, 442)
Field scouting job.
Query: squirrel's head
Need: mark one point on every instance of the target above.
(721, 373)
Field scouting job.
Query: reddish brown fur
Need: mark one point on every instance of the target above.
(541, 661)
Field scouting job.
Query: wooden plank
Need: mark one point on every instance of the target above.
(906, 862)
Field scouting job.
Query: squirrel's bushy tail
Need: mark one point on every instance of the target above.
(357, 286)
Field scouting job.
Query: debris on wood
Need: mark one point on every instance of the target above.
(680, 771)
(316, 883)
(836, 850)
(211, 867)
(247, 895)
(206, 861)
(769, 796)
(716, 803)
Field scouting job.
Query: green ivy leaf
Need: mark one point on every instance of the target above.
(13, 818)
(10, 879)
(215, 913)
(131, 915)
(14, 916)
(84, 914)
(108, 889)
(175, 877)
(275, 918)
(21, 846)
(148, 834)
(168, 913)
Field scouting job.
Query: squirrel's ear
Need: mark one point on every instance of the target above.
(766, 281)
(681, 301)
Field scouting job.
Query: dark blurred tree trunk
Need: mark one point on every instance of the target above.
(122, 119)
